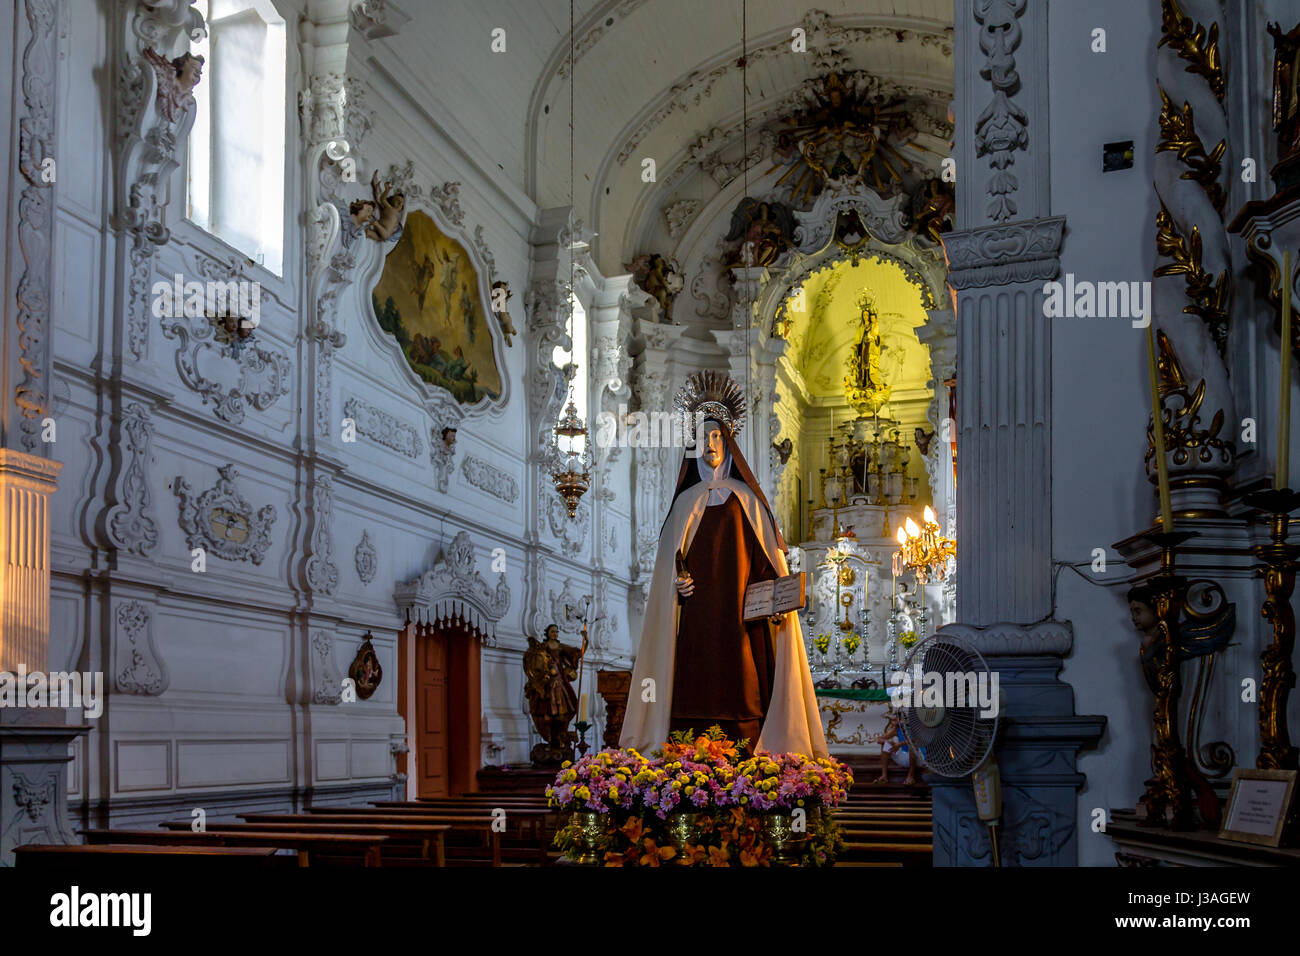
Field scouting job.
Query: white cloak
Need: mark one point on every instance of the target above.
(793, 723)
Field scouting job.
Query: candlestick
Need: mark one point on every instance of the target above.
(1284, 413)
(1158, 428)
(1167, 799)
(1278, 562)
(582, 708)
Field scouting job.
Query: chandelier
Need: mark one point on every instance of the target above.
(924, 551)
(571, 462)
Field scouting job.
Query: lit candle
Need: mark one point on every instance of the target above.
(1284, 413)
(582, 709)
(1158, 426)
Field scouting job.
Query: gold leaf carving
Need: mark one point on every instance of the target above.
(1178, 133)
(1209, 294)
(1193, 43)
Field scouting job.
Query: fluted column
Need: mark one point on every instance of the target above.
(26, 483)
(1004, 419)
(34, 738)
(1006, 246)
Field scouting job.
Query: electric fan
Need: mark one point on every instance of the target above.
(942, 717)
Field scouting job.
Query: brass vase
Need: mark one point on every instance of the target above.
(682, 827)
(591, 829)
(779, 834)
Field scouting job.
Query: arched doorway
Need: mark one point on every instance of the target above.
(450, 612)
(859, 393)
(438, 697)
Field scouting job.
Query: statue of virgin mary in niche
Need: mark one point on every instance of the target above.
(699, 663)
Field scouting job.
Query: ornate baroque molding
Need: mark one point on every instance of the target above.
(130, 526)
(490, 479)
(453, 588)
(265, 373)
(322, 573)
(327, 682)
(35, 225)
(1016, 640)
(246, 535)
(140, 669)
(1003, 127)
(826, 45)
(366, 558)
(442, 452)
(155, 110)
(1004, 255)
(377, 425)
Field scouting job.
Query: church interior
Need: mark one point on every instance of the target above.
(359, 363)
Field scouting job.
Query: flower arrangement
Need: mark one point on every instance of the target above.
(786, 781)
(823, 643)
(603, 782)
(851, 643)
(907, 639)
(701, 785)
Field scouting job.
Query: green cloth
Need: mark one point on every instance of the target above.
(855, 693)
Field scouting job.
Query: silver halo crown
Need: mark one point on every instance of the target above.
(714, 394)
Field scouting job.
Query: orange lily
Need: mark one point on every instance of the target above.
(655, 854)
(693, 855)
(633, 829)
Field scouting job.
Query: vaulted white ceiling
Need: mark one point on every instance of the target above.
(654, 78)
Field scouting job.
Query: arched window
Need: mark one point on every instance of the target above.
(236, 148)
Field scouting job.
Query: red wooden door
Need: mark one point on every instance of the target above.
(431, 714)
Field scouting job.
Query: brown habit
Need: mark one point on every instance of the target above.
(724, 667)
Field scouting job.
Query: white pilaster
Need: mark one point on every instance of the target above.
(26, 483)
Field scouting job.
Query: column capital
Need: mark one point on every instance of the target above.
(29, 471)
(1023, 251)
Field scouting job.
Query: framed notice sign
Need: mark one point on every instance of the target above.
(1257, 807)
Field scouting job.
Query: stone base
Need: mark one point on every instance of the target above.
(1039, 738)
(34, 758)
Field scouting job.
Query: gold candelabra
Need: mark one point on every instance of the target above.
(923, 550)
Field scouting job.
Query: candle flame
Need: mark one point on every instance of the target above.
(912, 530)
(902, 536)
(929, 515)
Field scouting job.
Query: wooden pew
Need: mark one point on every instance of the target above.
(426, 837)
(361, 849)
(464, 819)
(112, 857)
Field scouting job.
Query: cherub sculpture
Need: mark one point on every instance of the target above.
(388, 205)
(659, 278)
(500, 296)
(176, 81)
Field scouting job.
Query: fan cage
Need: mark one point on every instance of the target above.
(962, 739)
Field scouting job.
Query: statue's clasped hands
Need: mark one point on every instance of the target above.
(685, 585)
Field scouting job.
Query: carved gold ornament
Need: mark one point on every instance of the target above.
(1183, 438)
(1209, 294)
(1193, 43)
(1178, 134)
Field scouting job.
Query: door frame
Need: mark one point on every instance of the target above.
(464, 696)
